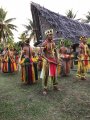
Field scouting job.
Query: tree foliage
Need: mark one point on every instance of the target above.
(6, 27)
(71, 14)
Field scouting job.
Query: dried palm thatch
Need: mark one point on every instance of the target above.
(67, 28)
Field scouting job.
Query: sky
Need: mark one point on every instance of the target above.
(20, 9)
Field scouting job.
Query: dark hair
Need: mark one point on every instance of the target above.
(6, 48)
(27, 41)
(21, 44)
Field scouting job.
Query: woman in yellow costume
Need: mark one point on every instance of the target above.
(12, 59)
(4, 67)
(8, 62)
(27, 69)
(35, 61)
(83, 58)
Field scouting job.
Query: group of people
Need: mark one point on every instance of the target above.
(8, 60)
(49, 61)
(54, 62)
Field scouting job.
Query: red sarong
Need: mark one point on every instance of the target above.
(52, 67)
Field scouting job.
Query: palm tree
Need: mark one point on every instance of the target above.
(30, 30)
(10, 41)
(5, 26)
(87, 17)
(70, 14)
(67, 42)
(23, 36)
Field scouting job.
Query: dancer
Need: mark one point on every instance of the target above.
(50, 61)
(65, 59)
(35, 62)
(27, 69)
(8, 61)
(83, 58)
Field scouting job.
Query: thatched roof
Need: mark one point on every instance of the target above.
(63, 26)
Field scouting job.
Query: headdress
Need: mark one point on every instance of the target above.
(62, 41)
(27, 41)
(48, 32)
(83, 37)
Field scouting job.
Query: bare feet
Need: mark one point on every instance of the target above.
(83, 78)
(45, 92)
(56, 88)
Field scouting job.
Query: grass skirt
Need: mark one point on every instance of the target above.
(27, 71)
(9, 66)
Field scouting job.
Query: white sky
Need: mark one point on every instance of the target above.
(20, 9)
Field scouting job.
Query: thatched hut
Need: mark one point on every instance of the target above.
(44, 19)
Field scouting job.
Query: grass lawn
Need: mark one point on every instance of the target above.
(22, 102)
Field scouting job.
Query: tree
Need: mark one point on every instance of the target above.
(6, 26)
(23, 36)
(70, 14)
(67, 42)
(10, 41)
(30, 30)
(87, 17)
(17, 46)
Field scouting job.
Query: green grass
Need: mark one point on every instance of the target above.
(24, 102)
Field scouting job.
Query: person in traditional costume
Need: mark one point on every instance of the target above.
(83, 58)
(65, 59)
(27, 69)
(35, 62)
(13, 64)
(5, 57)
(8, 62)
(16, 54)
(50, 61)
(40, 61)
(4, 65)
(71, 55)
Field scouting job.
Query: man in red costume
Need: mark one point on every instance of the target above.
(50, 61)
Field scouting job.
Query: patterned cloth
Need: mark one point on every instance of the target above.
(9, 65)
(27, 70)
(48, 73)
